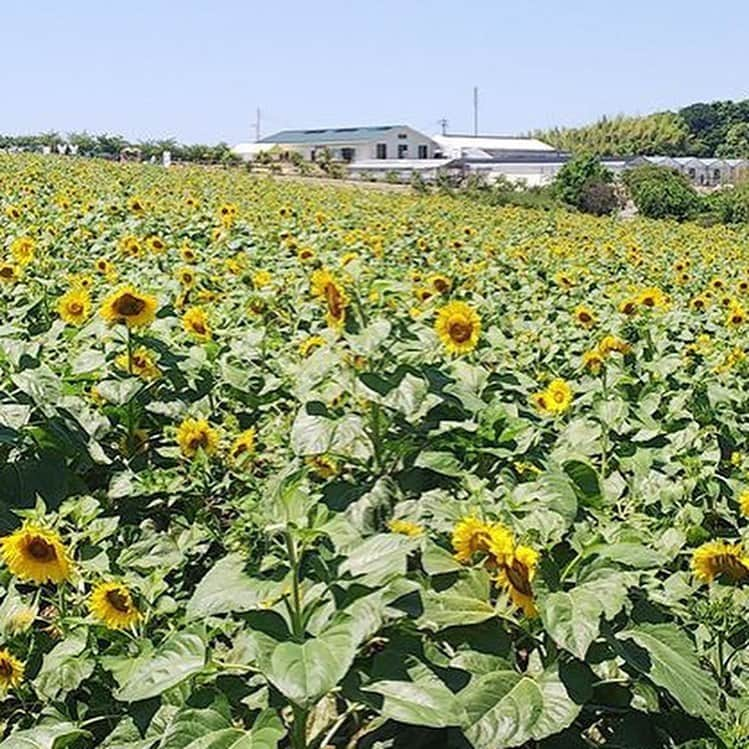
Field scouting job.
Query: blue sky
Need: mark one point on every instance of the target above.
(198, 70)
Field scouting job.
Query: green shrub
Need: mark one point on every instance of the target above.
(731, 205)
(575, 178)
(599, 198)
(660, 192)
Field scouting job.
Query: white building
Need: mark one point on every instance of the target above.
(707, 172)
(348, 144)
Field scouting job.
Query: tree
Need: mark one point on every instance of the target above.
(659, 192)
(577, 176)
(736, 143)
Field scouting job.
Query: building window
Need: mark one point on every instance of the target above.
(423, 152)
(348, 154)
(402, 150)
(692, 173)
(716, 175)
(382, 150)
(402, 136)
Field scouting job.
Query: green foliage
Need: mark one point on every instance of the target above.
(576, 182)
(659, 192)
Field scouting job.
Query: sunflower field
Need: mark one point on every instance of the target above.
(295, 466)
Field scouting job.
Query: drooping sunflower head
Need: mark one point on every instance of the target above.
(720, 559)
(242, 446)
(112, 604)
(458, 326)
(308, 345)
(11, 671)
(470, 535)
(324, 466)
(405, 527)
(515, 576)
(126, 305)
(74, 306)
(611, 343)
(194, 435)
(195, 322)
(36, 554)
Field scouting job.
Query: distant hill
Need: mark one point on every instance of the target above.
(720, 128)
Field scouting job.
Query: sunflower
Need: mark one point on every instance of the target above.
(515, 575)
(9, 273)
(141, 364)
(744, 503)
(11, 671)
(156, 245)
(458, 327)
(305, 254)
(699, 302)
(593, 361)
(405, 527)
(556, 399)
(584, 316)
(186, 277)
(628, 307)
(323, 465)
(188, 254)
(611, 343)
(469, 536)
(130, 307)
(736, 315)
(23, 250)
(308, 345)
(112, 604)
(74, 306)
(325, 285)
(720, 559)
(261, 279)
(652, 297)
(195, 322)
(441, 284)
(242, 446)
(130, 246)
(36, 554)
(194, 435)
(136, 205)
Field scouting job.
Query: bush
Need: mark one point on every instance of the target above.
(599, 198)
(576, 178)
(659, 192)
(731, 205)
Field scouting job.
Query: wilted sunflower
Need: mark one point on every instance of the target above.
(129, 306)
(458, 327)
(194, 435)
(593, 361)
(323, 465)
(112, 604)
(405, 527)
(242, 446)
(74, 306)
(195, 322)
(720, 559)
(515, 575)
(36, 554)
(11, 671)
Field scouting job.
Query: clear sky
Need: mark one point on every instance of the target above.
(198, 70)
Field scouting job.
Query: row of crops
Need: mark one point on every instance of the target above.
(296, 466)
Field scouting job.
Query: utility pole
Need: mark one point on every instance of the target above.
(443, 125)
(475, 110)
(257, 125)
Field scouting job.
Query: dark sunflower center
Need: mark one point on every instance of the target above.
(119, 600)
(198, 441)
(129, 305)
(76, 308)
(333, 297)
(41, 550)
(584, 317)
(6, 668)
(6, 272)
(460, 330)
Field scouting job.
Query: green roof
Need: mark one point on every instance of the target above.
(329, 135)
